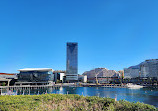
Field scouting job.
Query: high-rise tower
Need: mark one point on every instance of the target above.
(72, 62)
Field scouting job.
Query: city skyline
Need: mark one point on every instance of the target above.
(111, 34)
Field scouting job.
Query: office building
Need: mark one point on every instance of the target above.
(59, 75)
(132, 72)
(72, 62)
(82, 78)
(146, 69)
(149, 68)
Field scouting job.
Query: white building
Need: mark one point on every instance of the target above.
(149, 68)
(8, 76)
(82, 78)
(59, 75)
(85, 78)
(62, 76)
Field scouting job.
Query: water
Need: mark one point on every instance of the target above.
(145, 95)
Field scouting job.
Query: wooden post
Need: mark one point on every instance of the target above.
(29, 91)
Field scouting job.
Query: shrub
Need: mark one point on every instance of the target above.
(58, 102)
(3, 83)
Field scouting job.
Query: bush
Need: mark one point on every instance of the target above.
(3, 83)
(71, 102)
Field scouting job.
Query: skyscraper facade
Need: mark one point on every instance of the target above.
(72, 62)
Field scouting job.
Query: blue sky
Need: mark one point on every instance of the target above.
(111, 33)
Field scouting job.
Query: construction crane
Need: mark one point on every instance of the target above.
(96, 76)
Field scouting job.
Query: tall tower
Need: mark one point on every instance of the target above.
(72, 62)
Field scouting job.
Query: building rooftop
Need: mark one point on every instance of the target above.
(35, 69)
(6, 74)
(59, 71)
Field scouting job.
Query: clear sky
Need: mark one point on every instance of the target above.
(113, 34)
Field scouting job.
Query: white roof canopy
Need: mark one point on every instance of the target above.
(35, 69)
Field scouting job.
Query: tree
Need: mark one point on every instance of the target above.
(155, 81)
(3, 83)
(59, 81)
(120, 81)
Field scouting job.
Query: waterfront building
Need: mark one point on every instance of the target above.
(103, 80)
(59, 75)
(82, 78)
(34, 75)
(72, 62)
(8, 75)
(101, 72)
(132, 72)
(85, 78)
(149, 68)
(101, 75)
(146, 69)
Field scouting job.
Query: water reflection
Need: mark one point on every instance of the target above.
(146, 95)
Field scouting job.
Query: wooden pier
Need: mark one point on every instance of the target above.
(23, 88)
(27, 86)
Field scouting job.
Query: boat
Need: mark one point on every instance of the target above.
(133, 86)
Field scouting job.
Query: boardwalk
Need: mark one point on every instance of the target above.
(27, 86)
(4, 90)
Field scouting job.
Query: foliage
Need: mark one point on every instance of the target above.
(59, 81)
(71, 102)
(3, 83)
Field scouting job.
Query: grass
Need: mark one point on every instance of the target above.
(59, 102)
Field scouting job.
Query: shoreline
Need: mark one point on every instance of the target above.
(74, 85)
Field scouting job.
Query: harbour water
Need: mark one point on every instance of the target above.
(145, 95)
